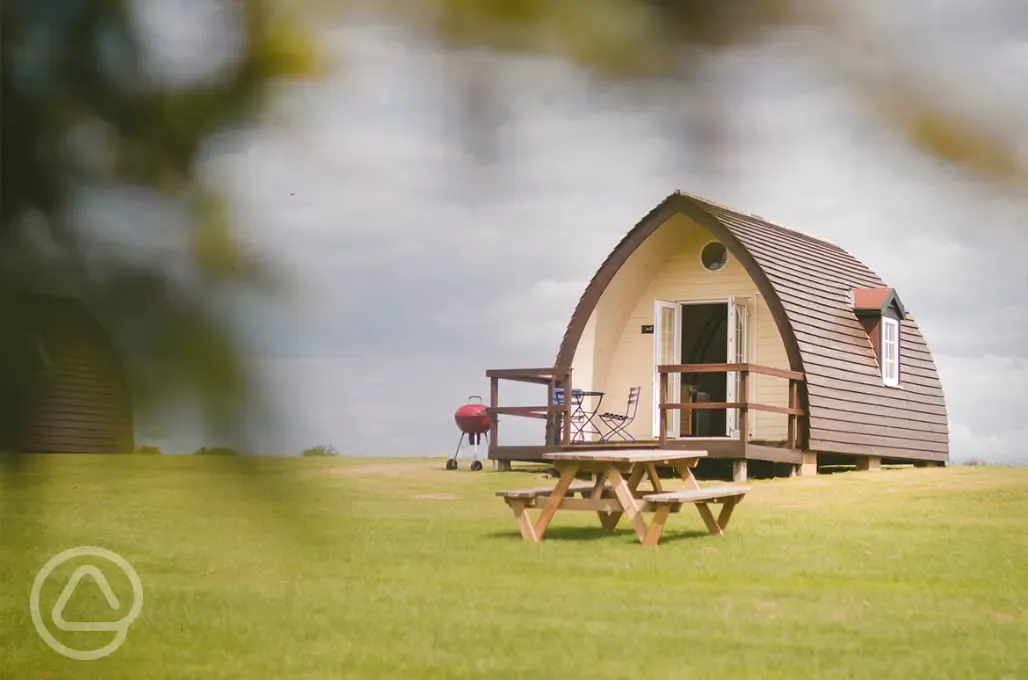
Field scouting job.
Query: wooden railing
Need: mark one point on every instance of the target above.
(558, 416)
(743, 405)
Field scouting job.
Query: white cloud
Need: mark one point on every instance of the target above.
(986, 403)
(999, 449)
(549, 302)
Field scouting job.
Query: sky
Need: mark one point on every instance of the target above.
(415, 266)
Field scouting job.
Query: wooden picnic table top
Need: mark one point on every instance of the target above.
(626, 455)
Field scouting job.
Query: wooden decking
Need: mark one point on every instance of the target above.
(715, 447)
(559, 429)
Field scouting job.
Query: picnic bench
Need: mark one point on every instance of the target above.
(612, 496)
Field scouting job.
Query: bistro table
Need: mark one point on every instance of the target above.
(582, 418)
(614, 492)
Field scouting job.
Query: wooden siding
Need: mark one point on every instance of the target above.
(851, 410)
(607, 321)
(768, 350)
(583, 369)
(80, 400)
(667, 267)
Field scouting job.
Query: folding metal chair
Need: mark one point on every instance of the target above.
(617, 422)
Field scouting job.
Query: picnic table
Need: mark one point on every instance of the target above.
(614, 492)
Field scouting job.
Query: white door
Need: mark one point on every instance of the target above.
(667, 349)
(738, 343)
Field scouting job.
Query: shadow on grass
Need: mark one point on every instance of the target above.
(598, 533)
(692, 534)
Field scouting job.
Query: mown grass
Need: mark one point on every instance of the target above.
(336, 568)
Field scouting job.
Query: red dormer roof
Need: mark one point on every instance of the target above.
(874, 301)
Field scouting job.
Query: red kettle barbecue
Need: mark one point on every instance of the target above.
(473, 421)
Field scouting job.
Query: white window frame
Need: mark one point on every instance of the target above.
(891, 378)
(738, 353)
(699, 257)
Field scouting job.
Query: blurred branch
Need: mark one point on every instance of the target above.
(84, 114)
(631, 41)
(950, 136)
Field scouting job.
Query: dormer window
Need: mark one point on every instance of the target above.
(880, 312)
(890, 351)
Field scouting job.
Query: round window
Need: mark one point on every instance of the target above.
(714, 256)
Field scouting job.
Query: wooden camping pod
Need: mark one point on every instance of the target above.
(71, 395)
(808, 285)
(844, 392)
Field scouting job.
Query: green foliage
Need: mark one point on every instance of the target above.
(215, 451)
(84, 117)
(149, 450)
(320, 450)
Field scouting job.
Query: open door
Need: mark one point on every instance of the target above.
(738, 353)
(667, 349)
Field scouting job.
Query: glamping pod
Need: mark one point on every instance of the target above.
(68, 394)
(743, 338)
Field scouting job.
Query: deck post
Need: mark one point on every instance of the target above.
(744, 425)
(739, 470)
(551, 418)
(662, 414)
(793, 420)
(494, 418)
(869, 463)
(568, 401)
(808, 468)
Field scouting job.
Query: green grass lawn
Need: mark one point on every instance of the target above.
(350, 568)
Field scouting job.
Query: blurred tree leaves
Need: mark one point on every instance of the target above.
(614, 38)
(635, 41)
(953, 137)
(84, 115)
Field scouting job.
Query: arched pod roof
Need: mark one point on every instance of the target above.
(808, 286)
